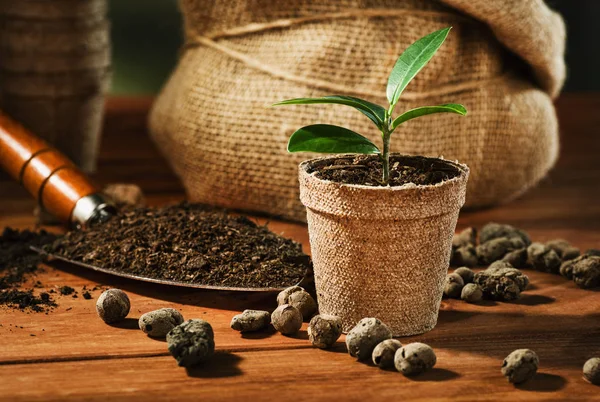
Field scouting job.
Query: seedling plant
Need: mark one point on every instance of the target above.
(330, 139)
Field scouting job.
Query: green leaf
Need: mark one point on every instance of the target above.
(414, 58)
(328, 139)
(373, 111)
(425, 110)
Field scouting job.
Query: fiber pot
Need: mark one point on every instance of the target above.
(382, 251)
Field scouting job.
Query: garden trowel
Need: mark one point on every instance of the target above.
(66, 192)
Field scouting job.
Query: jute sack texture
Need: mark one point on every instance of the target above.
(54, 71)
(381, 251)
(502, 60)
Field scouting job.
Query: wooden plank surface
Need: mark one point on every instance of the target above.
(70, 354)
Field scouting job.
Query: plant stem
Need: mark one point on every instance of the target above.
(385, 160)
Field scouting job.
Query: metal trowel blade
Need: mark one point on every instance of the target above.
(306, 282)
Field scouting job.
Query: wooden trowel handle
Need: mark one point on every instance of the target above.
(55, 182)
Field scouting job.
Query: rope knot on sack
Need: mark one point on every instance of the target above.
(218, 42)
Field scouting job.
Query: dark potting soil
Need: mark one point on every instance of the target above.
(367, 170)
(17, 261)
(66, 290)
(188, 243)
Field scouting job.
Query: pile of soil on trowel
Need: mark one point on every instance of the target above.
(188, 243)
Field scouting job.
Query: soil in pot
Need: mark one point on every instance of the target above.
(189, 243)
(367, 170)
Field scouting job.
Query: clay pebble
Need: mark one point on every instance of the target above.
(125, 194)
(586, 272)
(564, 249)
(495, 249)
(287, 319)
(299, 298)
(465, 238)
(384, 353)
(362, 339)
(159, 322)
(517, 258)
(496, 230)
(591, 370)
(191, 342)
(414, 358)
(466, 274)
(593, 252)
(113, 305)
(566, 268)
(471, 293)
(520, 366)
(464, 256)
(543, 258)
(324, 330)
(453, 286)
(501, 281)
(251, 320)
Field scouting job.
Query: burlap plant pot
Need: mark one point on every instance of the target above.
(382, 251)
(503, 60)
(55, 69)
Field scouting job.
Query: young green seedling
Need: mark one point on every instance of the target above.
(326, 138)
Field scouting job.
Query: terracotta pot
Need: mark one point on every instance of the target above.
(382, 251)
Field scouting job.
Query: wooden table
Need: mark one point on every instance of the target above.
(70, 354)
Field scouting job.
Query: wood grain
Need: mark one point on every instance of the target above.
(73, 355)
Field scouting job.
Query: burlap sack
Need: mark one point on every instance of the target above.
(503, 61)
(381, 251)
(55, 70)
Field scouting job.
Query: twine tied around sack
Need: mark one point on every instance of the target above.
(193, 39)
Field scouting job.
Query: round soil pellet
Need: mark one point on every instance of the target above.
(299, 298)
(384, 353)
(159, 322)
(591, 370)
(414, 358)
(362, 339)
(471, 293)
(453, 285)
(287, 319)
(191, 342)
(466, 274)
(324, 330)
(113, 305)
(520, 366)
(251, 320)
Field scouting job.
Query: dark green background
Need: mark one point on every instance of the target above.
(147, 35)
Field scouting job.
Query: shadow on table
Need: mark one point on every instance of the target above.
(126, 323)
(533, 300)
(543, 382)
(222, 364)
(495, 334)
(266, 333)
(435, 375)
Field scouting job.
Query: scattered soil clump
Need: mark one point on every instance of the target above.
(66, 290)
(191, 343)
(17, 262)
(189, 243)
(501, 281)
